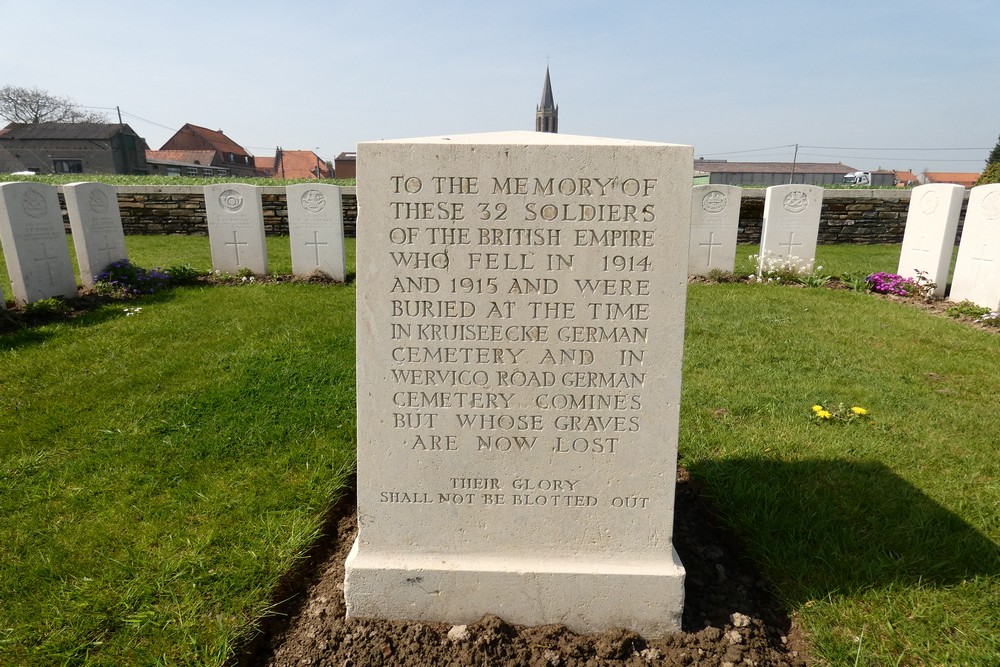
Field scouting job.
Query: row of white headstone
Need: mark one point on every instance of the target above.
(791, 228)
(34, 238)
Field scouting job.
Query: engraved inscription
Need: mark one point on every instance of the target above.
(34, 204)
(714, 201)
(525, 492)
(991, 206)
(504, 344)
(929, 202)
(98, 202)
(313, 201)
(796, 201)
(231, 200)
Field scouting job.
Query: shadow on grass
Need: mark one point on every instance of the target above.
(19, 329)
(828, 526)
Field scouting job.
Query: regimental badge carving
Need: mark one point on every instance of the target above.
(313, 201)
(33, 203)
(714, 201)
(929, 202)
(991, 206)
(796, 201)
(231, 200)
(98, 201)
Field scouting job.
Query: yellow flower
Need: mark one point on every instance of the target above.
(859, 411)
(823, 414)
(817, 408)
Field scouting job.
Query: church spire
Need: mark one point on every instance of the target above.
(547, 113)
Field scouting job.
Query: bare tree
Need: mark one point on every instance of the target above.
(33, 105)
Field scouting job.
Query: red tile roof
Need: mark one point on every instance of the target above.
(965, 179)
(187, 157)
(299, 164)
(195, 137)
(265, 165)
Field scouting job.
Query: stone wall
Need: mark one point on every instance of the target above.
(849, 216)
(174, 209)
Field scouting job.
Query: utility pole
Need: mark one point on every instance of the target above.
(795, 158)
(119, 110)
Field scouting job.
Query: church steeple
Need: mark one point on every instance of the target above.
(547, 113)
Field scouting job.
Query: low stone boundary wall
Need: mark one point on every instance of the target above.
(864, 217)
(178, 209)
(849, 216)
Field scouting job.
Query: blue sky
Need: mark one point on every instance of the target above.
(726, 77)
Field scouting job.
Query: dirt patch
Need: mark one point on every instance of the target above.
(730, 616)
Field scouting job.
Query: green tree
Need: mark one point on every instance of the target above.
(994, 154)
(990, 175)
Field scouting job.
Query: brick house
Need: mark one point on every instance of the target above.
(72, 148)
(228, 154)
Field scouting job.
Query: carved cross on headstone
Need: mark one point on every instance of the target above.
(108, 248)
(236, 243)
(316, 244)
(790, 243)
(919, 247)
(712, 243)
(980, 260)
(48, 263)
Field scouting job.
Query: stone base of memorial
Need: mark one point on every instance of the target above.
(583, 595)
(520, 332)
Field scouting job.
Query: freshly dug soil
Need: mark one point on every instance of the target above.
(730, 617)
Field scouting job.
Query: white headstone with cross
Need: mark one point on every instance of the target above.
(520, 334)
(791, 222)
(929, 236)
(715, 222)
(34, 242)
(236, 228)
(96, 223)
(977, 270)
(316, 230)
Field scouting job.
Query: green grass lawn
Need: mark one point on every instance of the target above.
(161, 471)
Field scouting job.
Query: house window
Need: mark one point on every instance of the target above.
(231, 157)
(192, 171)
(173, 171)
(67, 166)
(206, 172)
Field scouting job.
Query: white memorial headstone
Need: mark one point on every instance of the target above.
(929, 236)
(715, 224)
(96, 223)
(34, 242)
(316, 230)
(520, 332)
(977, 270)
(236, 227)
(791, 222)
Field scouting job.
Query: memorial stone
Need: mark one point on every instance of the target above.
(316, 230)
(977, 270)
(96, 223)
(791, 222)
(715, 221)
(520, 332)
(34, 242)
(929, 236)
(236, 227)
